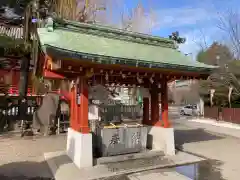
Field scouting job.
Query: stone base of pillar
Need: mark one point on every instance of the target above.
(162, 139)
(79, 148)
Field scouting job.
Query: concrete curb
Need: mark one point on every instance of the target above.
(100, 171)
(53, 166)
(119, 158)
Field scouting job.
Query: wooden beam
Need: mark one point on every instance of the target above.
(52, 75)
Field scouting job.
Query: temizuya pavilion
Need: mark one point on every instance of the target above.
(86, 54)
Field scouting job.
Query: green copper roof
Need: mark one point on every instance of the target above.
(104, 42)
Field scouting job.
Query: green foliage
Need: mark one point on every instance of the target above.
(216, 54)
(202, 56)
(222, 78)
(10, 46)
(8, 42)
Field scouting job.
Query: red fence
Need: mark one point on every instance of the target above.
(211, 112)
(225, 114)
(231, 115)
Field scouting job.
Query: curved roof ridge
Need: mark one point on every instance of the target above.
(114, 33)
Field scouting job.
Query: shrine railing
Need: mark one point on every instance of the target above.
(211, 112)
(231, 115)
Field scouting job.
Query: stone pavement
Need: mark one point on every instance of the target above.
(213, 143)
(23, 157)
(176, 118)
(158, 175)
(217, 129)
(63, 168)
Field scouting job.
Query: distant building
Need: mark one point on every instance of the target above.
(179, 84)
(183, 92)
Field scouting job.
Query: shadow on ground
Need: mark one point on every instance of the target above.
(27, 170)
(205, 170)
(193, 135)
(210, 170)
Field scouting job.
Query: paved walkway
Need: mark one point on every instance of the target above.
(217, 127)
(211, 142)
(63, 168)
(23, 157)
(158, 175)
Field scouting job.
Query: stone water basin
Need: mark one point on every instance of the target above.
(121, 139)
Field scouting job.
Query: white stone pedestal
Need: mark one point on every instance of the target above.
(161, 139)
(79, 148)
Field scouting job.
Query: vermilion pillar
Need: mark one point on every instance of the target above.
(145, 111)
(73, 112)
(79, 107)
(154, 106)
(84, 126)
(164, 102)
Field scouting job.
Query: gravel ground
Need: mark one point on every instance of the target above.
(22, 158)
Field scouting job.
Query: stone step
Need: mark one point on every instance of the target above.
(168, 175)
(126, 157)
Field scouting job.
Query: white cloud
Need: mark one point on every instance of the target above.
(198, 21)
(195, 23)
(177, 17)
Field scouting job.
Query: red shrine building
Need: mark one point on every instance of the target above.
(90, 54)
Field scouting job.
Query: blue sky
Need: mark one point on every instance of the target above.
(192, 18)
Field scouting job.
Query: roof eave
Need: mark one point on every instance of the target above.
(64, 53)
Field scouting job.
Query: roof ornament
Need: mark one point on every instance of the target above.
(49, 24)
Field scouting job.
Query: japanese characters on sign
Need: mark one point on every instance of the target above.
(115, 139)
(136, 139)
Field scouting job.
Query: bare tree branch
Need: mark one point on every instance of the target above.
(229, 24)
(139, 19)
(201, 40)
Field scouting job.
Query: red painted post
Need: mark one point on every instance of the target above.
(154, 106)
(84, 126)
(164, 103)
(73, 112)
